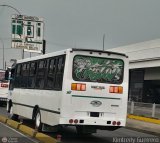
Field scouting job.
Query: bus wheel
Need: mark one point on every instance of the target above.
(38, 124)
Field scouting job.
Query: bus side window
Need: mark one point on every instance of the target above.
(59, 73)
(32, 75)
(18, 76)
(51, 74)
(25, 73)
(52, 66)
(41, 74)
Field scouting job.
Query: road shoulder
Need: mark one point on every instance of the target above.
(144, 126)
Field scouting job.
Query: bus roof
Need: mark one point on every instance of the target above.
(100, 51)
(64, 51)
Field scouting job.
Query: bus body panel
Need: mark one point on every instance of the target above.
(47, 107)
(77, 104)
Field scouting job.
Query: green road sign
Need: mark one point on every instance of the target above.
(27, 33)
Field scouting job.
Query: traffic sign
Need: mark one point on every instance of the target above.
(27, 33)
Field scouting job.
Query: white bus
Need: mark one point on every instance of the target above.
(4, 84)
(74, 87)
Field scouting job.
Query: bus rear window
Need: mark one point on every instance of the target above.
(96, 69)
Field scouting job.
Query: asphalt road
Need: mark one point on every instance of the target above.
(102, 136)
(10, 135)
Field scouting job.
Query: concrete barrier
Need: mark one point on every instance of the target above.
(13, 124)
(27, 130)
(145, 119)
(45, 139)
(3, 119)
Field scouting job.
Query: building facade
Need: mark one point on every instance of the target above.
(144, 70)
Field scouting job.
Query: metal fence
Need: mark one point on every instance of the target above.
(144, 109)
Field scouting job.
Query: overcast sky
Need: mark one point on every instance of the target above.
(82, 23)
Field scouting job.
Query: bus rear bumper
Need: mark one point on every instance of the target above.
(93, 121)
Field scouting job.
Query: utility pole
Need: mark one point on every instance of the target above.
(2, 52)
(5, 65)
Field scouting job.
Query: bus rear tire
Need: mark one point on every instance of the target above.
(38, 123)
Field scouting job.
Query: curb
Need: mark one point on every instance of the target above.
(45, 138)
(28, 131)
(13, 124)
(145, 119)
(3, 119)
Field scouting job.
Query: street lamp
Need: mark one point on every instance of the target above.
(6, 5)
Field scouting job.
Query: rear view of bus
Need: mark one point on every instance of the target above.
(95, 90)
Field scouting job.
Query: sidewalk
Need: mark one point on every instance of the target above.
(144, 126)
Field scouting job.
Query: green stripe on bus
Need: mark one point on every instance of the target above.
(95, 97)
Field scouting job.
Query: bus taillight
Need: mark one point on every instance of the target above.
(118, 123)
(116, 89)
(70, 121)
(75, 121)
(114, 123)
(78, 86)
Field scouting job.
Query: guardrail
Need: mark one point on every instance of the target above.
(144, 109)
